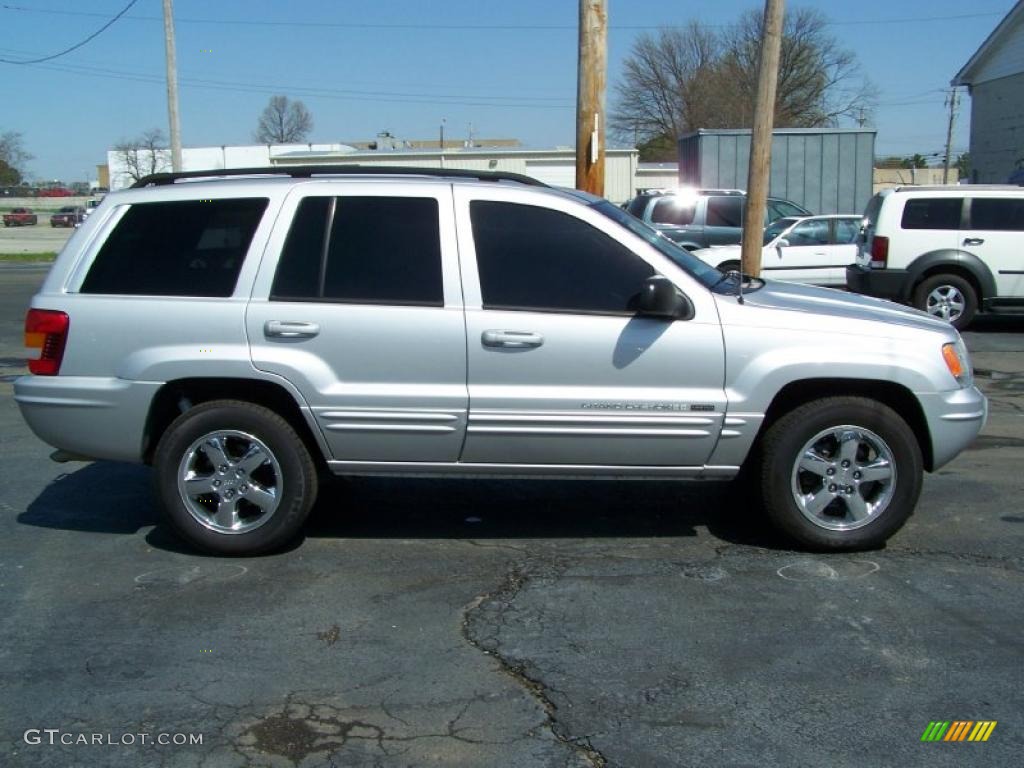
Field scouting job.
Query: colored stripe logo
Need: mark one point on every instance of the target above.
(958, 730)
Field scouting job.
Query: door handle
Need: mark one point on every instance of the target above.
(288, 329)
(974, 241)
(511, 339)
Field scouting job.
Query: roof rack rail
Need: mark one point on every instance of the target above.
(351, 169)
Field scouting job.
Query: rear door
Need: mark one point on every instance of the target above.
(995, 234)
(723, 222)
(358, 304)
(561, 371)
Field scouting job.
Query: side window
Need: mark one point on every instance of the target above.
(847, 231)
(725, 212)
(362, 250)
(998, 214)
(814, 232)
(778, 209)
(176, 248)
(534, 258)
(932, 213)
(671, 209)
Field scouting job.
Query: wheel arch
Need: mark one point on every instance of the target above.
(178, 396)
(954, 262)
(889, 393)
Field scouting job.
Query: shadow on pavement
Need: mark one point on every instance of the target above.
(107, 497)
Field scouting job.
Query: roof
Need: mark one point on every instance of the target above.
(998, 37)
(776, 131)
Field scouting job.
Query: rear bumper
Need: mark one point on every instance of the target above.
(954, 420)
(89, 416)
(881, 283)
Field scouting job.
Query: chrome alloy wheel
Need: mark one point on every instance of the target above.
(230, 481)
(947, 302)
(844, 478)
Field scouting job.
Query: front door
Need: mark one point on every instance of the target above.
(560, 370)
(358, 305)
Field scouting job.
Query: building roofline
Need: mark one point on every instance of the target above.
(776, 131)
(410, 154)
(963, 77)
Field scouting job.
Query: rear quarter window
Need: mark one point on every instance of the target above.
(176, 248)
(932, 213)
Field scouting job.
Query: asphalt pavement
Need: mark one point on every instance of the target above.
(508, 623)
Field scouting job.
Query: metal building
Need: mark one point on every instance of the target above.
(824, 170)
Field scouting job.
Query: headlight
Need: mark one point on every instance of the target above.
(958, 362)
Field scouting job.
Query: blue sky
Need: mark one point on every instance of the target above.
(509, 68)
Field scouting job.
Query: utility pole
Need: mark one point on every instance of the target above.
(172, 85)
(952, 102)
(590, 96)
(759, 174)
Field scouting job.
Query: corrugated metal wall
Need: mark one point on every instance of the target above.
(824, 171)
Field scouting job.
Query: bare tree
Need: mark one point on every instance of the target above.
(145, 155)
(12, 158)
(283, 122)
(698, 77)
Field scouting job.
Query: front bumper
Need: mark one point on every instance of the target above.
(954, 419)
(881, 283)
(103, 418)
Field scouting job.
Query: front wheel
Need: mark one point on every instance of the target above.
(948, 297)
(840, 473)
(234, 478)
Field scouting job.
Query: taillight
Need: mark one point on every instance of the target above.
(46, 332)
(879, 252)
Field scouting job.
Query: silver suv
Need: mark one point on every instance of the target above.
(244, 334)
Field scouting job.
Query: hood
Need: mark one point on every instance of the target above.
(804, 300)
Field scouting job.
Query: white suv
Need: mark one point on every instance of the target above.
(950, 251)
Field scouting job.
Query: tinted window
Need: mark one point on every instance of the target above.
(725, 212)
(535, 258)
(999, 214)
(378, 250)
(673, 210)
(183, 248)
(779, 208)
(847, 231)
(932, 213)
(813, 232)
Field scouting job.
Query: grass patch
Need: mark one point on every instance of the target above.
(43, 256)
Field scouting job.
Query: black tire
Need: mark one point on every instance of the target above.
(782, 447)
(728, 266)
(945, 284)
(297, 482)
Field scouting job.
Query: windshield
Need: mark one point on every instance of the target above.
(707, 275)
(777, 228)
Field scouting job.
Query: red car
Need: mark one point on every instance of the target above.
(20, 217)
(68, 216)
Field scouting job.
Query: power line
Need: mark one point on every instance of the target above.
(326, 93)
(75, 47)
(477, 27)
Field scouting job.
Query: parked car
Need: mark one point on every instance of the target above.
(701, 218)
(951, 251)
(807, 249)
(68, 216)
(273, 326)
(20, 217)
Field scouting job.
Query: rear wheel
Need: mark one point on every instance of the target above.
(234, 478)
(840, 473)
(949, 297)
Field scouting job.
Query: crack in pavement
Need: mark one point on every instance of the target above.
(515, 579)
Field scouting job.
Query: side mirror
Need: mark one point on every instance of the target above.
(782, 243)
(659, 298)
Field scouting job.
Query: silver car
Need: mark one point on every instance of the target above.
(245, 331)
